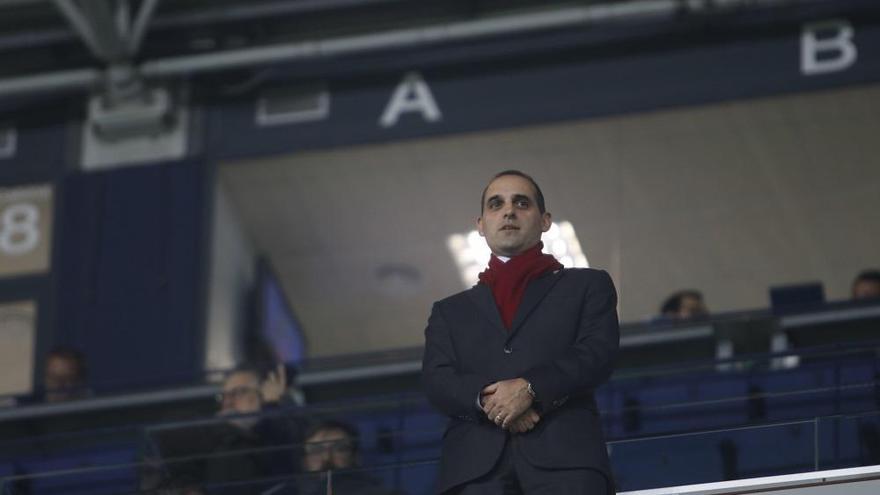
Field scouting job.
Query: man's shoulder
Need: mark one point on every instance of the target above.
(583, 274)
(458, 297)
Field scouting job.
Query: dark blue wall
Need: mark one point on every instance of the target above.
(129, 275)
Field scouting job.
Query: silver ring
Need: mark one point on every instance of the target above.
(497, 418)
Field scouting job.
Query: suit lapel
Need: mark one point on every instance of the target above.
(535, 292)
(481, 295)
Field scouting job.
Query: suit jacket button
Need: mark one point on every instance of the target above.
(508, 349)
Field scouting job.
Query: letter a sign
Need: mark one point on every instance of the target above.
(411, 95)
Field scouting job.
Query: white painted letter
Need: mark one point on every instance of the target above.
(8, 141)
(411, 95)
(835, 43)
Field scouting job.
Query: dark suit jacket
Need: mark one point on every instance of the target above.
(563, 340)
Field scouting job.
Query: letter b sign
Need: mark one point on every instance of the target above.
(827, 46)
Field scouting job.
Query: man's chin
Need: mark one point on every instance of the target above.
(511, 250)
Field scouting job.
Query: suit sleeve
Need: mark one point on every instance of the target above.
(448, 389)
(590, 361)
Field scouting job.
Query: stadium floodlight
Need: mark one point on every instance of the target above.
(471, 254)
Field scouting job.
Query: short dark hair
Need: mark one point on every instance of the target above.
(539, 196)
(672, 304)
(251, 368)
(333, 424)
(73, 355)
(871, 275)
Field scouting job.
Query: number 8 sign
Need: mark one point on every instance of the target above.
(19, 231)
(25, 229)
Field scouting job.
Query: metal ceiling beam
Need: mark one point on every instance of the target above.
(81, 25)
(256, 10)
(401, 38)
(19, 3)
(206, 14)
(140, 24)
(122, 18)
(102, 17)
(106, 26)
(447, 32)
(53, 81)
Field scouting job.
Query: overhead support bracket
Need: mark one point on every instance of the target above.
(107, 27)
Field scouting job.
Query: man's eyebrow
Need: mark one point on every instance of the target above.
(518, 197)
(490, 199)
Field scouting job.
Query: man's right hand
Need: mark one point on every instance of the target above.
(525, 422)
(506, 400)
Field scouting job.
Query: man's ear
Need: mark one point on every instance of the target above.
(480, 226)
(546, 221)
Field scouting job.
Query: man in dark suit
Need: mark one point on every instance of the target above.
(514, 361)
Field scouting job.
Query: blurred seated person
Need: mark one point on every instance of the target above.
(252, 423)
(64, 378)
(251, 401)
(866, 285)
(244, 392)
(333, 446)
(330, 445)
(684, 305)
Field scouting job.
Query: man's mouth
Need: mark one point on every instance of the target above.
(509, 227)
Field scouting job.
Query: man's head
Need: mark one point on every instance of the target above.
(866, 285)
(512, 213)
(64, 376)
(241, 395)
(684, 305)
(330, 445)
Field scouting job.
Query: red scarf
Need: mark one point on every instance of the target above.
(508, 281)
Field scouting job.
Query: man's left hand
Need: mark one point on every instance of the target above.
(505, 401)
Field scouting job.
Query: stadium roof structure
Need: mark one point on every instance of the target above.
(52, 45)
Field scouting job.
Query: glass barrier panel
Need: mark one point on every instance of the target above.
(93, 474)
(215, 460)
(318, 483)
(849, 441)
(719, 455)
(414, 477)
(227, 466)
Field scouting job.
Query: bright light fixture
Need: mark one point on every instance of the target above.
(471, 253)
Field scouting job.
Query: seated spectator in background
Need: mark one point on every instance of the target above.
(866, 285)
(684, 305)
(332, 446)
(247, 392)
(252, 426)
(64, 379)
(64, 376)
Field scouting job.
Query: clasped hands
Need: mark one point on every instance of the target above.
(508, 404)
